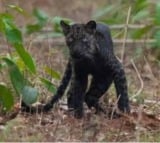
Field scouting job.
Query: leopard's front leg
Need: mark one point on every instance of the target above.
(76, 94)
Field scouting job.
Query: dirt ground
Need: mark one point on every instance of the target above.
(142, 124)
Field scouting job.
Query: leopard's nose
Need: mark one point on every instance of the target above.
(76, 56)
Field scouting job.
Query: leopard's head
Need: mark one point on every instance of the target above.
(80, 39)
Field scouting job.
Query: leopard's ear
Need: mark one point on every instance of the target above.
(65, 27)
(91, 26)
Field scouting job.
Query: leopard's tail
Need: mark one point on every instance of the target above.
(61, 89)
(60, 92)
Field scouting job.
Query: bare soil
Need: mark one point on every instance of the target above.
(58, 125)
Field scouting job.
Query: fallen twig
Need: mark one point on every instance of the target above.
(141, 81)
(150, 70)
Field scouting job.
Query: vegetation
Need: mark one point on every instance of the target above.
(19, 64)
(141, 18)
(21, 78)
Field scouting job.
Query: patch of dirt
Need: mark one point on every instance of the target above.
(58, 125)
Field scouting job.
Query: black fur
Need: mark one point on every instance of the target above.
(91, 53)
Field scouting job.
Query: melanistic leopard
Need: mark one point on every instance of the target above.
(91, 53)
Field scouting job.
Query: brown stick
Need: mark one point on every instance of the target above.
(125, 34)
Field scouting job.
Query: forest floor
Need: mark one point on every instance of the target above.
(58, 126)
(143, 76)
(142, 124)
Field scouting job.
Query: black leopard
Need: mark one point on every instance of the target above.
(91, 53)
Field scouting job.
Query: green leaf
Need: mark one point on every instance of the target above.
(157, 37)
(52, 73)
(140, 5)
(0, 66)
(17, 79)
(6, 97)
(29, 95)
(157, 14)
(137, 34)
(3, 65)
(41, 16)
(33, 28)
(140, 15)
(42, 19)
(13, 35)
(49, 85)
(26, 57)
(17, 8)
(5, 17)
